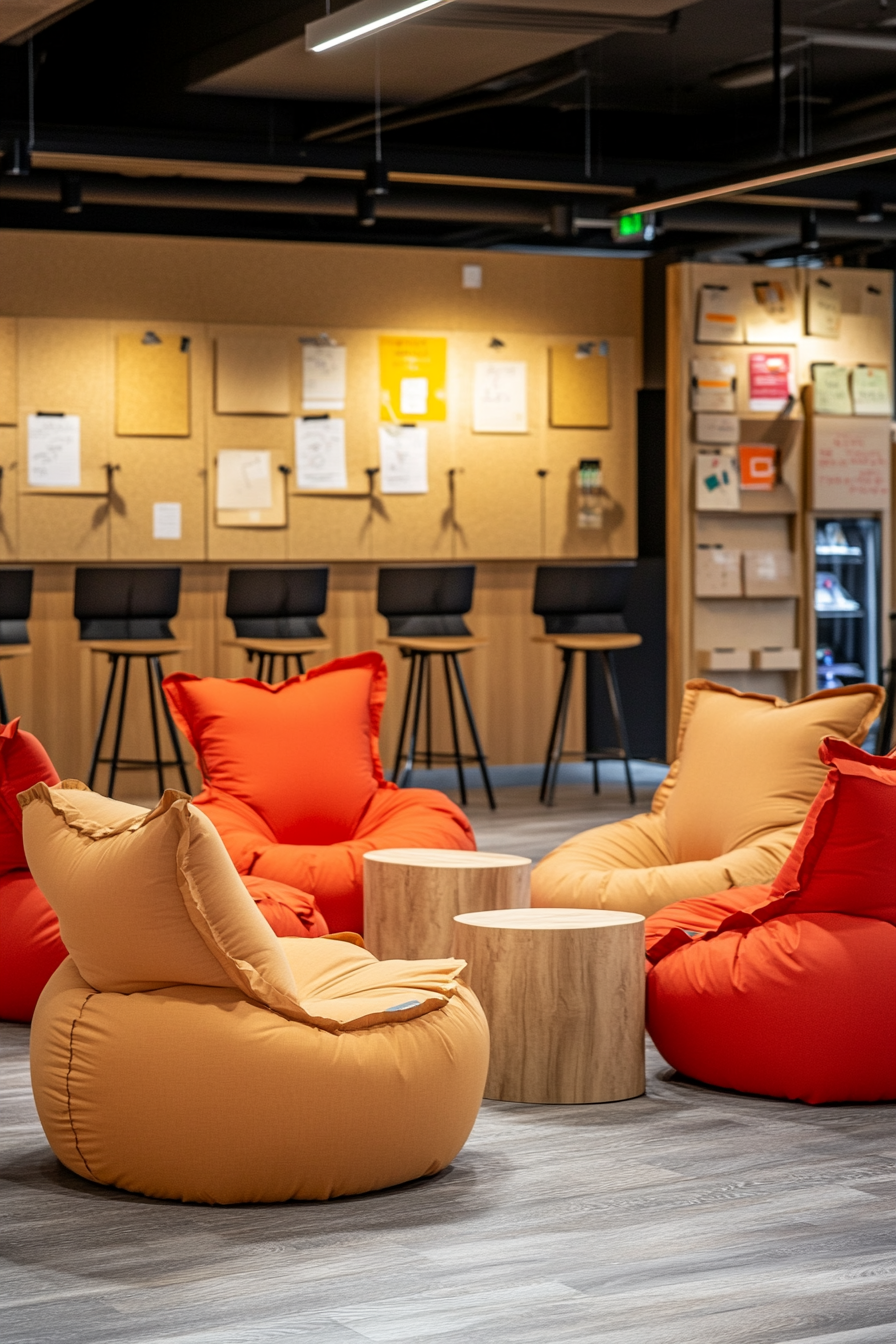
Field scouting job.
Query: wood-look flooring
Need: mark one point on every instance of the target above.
(686, 1216)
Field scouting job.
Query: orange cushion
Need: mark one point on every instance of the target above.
(302, 755)
(290, 913)
(394, 819)
(23, 762)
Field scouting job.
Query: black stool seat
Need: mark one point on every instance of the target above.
(425, 608)
(124, 614)
(274, 614)
(267, 650)
(15, 609)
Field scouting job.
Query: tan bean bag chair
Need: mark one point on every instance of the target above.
(728, 812)
(184, 1051)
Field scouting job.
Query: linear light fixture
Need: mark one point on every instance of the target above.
(360, 20)
(794, 171)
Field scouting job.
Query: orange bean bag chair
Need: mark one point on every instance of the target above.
(184, 1052)
(787, 989)
(30, 944)
(294, 784)
(729, 810)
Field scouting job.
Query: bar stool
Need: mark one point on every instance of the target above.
(582, 608)
(15, 609)
(274, 614)
(124, 613)
(425, 609)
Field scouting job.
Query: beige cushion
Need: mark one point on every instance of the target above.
(748, 764)
(148, 900)
(728, 812)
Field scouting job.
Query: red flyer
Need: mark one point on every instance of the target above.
(771, 381)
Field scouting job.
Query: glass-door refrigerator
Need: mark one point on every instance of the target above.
(847, 600)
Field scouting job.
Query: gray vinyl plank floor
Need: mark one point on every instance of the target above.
(686, 1216)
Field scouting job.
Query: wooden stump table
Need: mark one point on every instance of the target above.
(563, 991)
(412, 895)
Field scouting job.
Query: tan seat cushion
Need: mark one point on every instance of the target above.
(728, 812)
(148, 900)
(747, 765)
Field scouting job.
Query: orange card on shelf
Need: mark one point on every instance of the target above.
(758, 466)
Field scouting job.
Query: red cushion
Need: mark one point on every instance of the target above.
(395, 819)
(290, 913)
(23, 762)
(302, 755)
(787, 990)
(30, 946)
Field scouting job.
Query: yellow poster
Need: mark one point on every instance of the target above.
(412, 378)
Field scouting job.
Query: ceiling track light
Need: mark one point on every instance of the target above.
(17, 160)
(366, 209)
(360, 20)
(376, 179)
(70, 194)
(809, 231)
(869, 208)
(798, 171)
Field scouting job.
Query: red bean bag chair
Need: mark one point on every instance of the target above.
(788, 989)
(294, 783)
(30, 946)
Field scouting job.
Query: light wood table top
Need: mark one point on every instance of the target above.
(434, 643)
(591, 643)
(14, 650)
(412, 895)
(563, 991)
(278, 646)
(139, 648)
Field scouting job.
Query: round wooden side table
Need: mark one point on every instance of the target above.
(412, 895)
(563, 991)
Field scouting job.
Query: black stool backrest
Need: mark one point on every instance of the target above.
(15, 605)
(126, 603)
(583, 599)
(426, 601)
(277, 603)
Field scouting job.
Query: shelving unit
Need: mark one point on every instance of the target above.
(779, 520)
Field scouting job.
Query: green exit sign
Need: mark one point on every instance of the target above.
(638, 227)
(631, 226)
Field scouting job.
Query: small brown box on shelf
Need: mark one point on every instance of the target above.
(776, 659)
(723, 660)
(717, 572)
(771, 574)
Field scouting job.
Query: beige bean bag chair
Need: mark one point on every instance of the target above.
(184, 1051)
(729, 810)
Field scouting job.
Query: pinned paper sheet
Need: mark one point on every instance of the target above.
(851, 464)
(166, 522)
(823, 307)
(251, 375)
(831, 385)
(500, 401)
(54, 451)
(758, 465)
(413, 372)
(713, 384)
(244, 479)
(710, 427)
(320, 455)
(717, 481)
(873, 302)
(323, 377)
(717, 572)
(871, 390)
(772, 311)
(718, 316)
(771, 381)
(403, 460)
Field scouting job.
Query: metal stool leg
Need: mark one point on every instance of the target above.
(558, 732)
(477, 745)
(885, 727)
(300, 664)
(423, 659)
(404, 718)
(618, 720)
(428, 714)
(178, 755)
(595, 776)
(160, 769)
(104, 716)
(116, 750)
(458, 759)
(4, 713)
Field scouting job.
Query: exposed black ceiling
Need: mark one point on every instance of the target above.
(647, 101)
